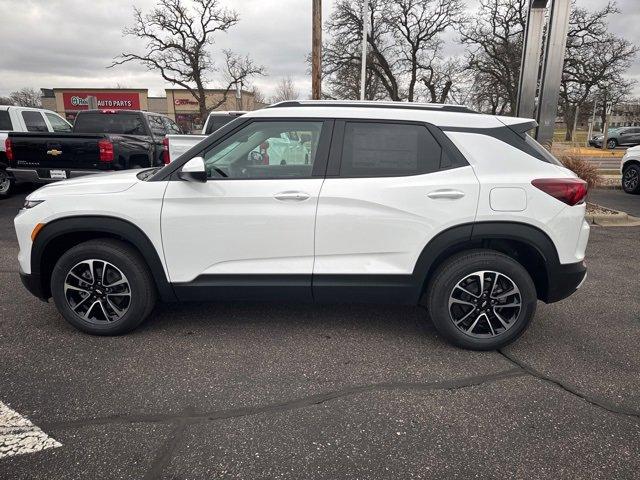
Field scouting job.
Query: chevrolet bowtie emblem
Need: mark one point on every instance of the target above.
(54, 152)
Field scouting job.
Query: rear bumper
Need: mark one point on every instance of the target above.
(41, 175)
(33, 283)
(564, 280)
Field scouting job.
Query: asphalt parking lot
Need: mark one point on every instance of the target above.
(256, 391)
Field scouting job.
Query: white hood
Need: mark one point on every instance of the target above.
(109, 182)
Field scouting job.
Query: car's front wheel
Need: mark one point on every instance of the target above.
(612, 143)
(103, 287)
(631, 179)
(481, 299)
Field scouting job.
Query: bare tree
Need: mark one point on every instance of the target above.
(612, 92)
(494, 39)
(594, 59)
(402, 38)
(258, 96)
(177, 39)
(6, 101)
(26, 97)
(285, 90)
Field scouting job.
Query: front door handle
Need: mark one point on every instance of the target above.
(446, 193)
(291, 196)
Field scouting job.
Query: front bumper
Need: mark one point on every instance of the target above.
(43, 175)
(595, 143)
(33, 283)
(564, 280)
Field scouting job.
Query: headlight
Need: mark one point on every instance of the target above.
(31, 203)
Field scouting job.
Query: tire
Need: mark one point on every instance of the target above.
(631, 179)
(612, 143)
(6, 183)
(111, 311)
(447, 302)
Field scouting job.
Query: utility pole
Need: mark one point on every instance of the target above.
(316, 49)
(365, 27)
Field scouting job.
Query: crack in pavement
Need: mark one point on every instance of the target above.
(191, 417)
(610, 407)
(166, 452)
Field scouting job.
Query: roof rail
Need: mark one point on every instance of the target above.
(373, 104)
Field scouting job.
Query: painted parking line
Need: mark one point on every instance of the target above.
(19, 436)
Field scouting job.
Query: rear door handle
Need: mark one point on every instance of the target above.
(291, 196)
(446, 193)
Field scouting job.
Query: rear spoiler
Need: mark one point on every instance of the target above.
(520, 126)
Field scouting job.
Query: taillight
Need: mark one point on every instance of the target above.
(106, 150)
(568, 190)
(8, 149)
(166, 159)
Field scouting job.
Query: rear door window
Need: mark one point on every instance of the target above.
(115, 123)
(5, 120)
(373, 149)
(34, 121)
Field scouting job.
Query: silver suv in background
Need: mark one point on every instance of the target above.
(617, 137)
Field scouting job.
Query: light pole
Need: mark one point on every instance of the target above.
(365, 26)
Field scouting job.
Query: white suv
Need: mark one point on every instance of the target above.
(381, 202)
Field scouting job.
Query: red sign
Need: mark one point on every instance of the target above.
(110, 100)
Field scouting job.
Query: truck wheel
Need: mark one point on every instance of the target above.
(103, 287)
(6, 183)
(481, 300)
(631, 179)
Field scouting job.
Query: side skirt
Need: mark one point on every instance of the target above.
(389, 289)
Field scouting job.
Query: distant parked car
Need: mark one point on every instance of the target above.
(630, 170)
(24, 119)
(625, 136)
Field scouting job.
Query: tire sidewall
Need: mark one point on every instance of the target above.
(130, 267)
(457, 269)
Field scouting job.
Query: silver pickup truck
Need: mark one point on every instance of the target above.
(178, 144)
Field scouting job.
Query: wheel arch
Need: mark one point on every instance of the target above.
(526, 244)
(57, 237)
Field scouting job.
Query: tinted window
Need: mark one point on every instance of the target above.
(388, 149)
(217, 121)
(5, 120)
(157, 125)
(119, 123)
(57, 123)
(34, 121)
(266, 150)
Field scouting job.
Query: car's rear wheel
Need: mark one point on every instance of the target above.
(481, 300)
(612, 143)
(6, 183)
(631, 179)
(103, 287)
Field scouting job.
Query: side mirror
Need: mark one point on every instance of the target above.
(193, 171)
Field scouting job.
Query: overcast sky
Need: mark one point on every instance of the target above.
(68, 43)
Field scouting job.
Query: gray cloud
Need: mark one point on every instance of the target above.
(68, 43)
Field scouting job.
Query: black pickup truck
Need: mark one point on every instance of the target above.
(101, 140)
